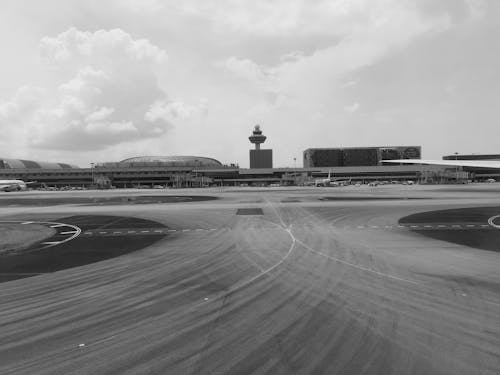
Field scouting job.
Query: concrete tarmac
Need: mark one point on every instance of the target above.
(308, 284)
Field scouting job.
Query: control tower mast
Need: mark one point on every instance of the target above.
(259, 158)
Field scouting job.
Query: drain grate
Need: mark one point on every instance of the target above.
(249, 211)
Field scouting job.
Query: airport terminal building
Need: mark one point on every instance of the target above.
(196, 171)
(357, 164)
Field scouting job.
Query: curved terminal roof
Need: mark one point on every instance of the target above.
(171, 161)
(30, 164)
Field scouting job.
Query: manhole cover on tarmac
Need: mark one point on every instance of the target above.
(475, 227)
(249, 211)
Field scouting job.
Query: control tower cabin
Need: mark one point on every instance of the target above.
(260, 158)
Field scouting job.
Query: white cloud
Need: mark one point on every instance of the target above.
(250, 71)
(111, 128)
(378, 27)
(101, 114)
(278, 17)
(86, 79)
(102, 44)
(22, 104)
(299, 18)
(287, 64)
(107, 101)
(166, 110)
(352, 108)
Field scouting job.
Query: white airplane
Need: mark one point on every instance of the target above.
(13, 185)
(494, 164)
(323, 181)
(328, 181)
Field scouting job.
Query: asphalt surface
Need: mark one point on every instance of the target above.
(102, 237)
(89, 199)
(307, 287)
(465, 226)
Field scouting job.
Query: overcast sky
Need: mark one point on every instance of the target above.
(94, 81)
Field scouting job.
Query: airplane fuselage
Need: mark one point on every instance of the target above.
(12, 185)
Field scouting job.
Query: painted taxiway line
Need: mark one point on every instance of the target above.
(144, 232)
(491, 221)
(422, 226)
(71, 231)
(357, 266)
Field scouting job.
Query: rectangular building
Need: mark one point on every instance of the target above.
(323, 157)
(261, 158)
(400, 152)
(360, 157)
(357, 156)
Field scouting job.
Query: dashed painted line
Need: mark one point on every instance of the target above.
(420, 226)
(143, 232)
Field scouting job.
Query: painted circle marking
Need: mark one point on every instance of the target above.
(75, 231)
(491, 221)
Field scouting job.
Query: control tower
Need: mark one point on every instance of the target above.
(260, 158)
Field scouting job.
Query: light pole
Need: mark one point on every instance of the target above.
(295, 171)
(92, 174)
